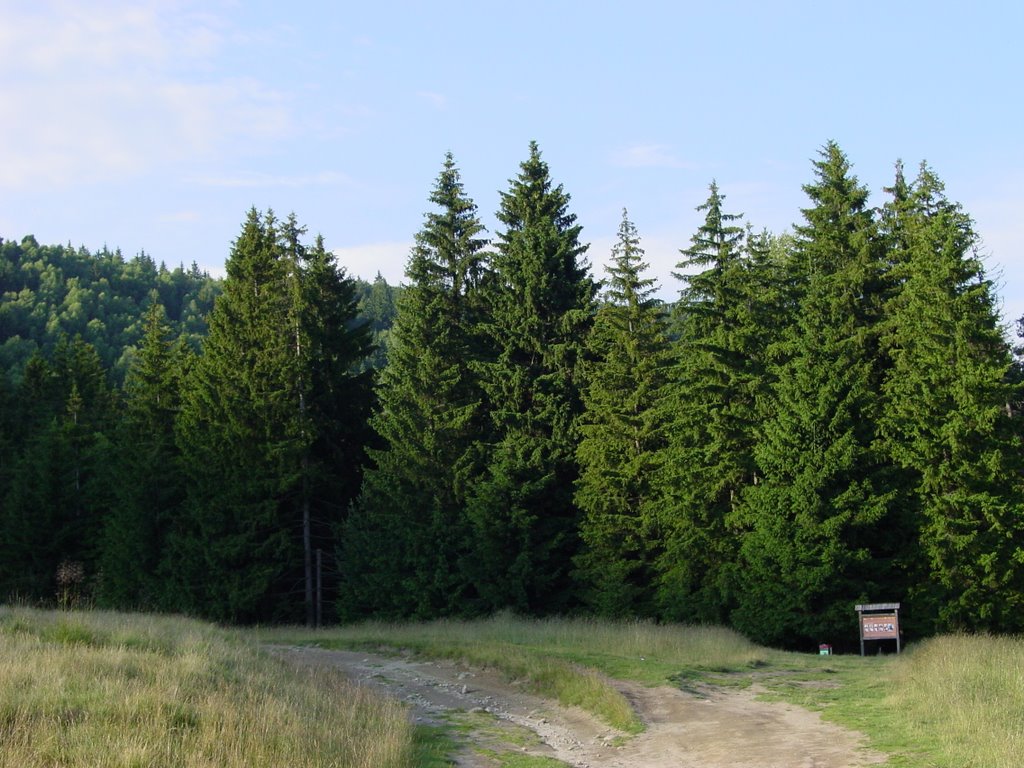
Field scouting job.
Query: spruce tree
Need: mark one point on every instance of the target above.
(622, 432)
(230, 546)
(62, 478)
(259, 427)
(541, 299)
(945, 418)
(708, 461)
(150, 488)
(813, 523)
(408, 535)
(337, 400)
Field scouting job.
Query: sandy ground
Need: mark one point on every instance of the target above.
(713, 728)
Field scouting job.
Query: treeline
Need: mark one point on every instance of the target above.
(108, 492)
(823, 418)
(54, 293)
(50, 293)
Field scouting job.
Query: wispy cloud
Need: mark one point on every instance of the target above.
(365, 261)
(648, 156)
(105, 90)
(260, 180)
(179, 217)
(434, 99)
(59, 38)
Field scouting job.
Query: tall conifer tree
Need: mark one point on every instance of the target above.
(260, 425)
(709, 457)
(814, 521)
(151, 486)
(945, 417)
(230, 546)
(622, 432)
(337, 399)
(408, 536)
(541, 298)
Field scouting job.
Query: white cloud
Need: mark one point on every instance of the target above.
(59, 38)
(179, 217)
(648, 156)
(436, 100)
(100, 91)
(365, 261)
(260, 180)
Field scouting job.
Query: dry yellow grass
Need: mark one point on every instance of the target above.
(103, 689)
(565, 658)
(962, 698)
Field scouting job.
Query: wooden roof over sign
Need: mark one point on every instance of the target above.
(878, 607)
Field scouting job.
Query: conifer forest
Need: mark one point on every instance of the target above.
(825, 416)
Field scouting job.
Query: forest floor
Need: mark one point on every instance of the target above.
(492, 719)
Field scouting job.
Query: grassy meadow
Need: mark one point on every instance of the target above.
(565, 659)
(103, 689)
(95, 688)
(949, 702)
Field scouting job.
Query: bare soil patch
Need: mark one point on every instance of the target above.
(712, 728)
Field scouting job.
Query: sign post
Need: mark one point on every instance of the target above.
(879, 621)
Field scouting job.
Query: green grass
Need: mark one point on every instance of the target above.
(964, 696)
(569, 660)
(504, 743)
(94, 688)
(518, 760)
(950, 702)
(432, 746)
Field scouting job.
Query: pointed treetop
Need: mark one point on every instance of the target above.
(717, 240)
(531, 196)
(625, 286)
(836, 192)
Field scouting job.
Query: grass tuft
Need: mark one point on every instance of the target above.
(946, 703)
(569, 659)
(88, 689)
(963, 696)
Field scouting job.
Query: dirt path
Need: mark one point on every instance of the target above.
(717, 729)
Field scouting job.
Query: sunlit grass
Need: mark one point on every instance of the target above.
(964, 695)
(946, 703)
(566, 659)
(104, 689)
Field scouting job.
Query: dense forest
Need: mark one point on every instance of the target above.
(824, 417)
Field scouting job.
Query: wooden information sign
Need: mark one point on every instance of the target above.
(879, 621)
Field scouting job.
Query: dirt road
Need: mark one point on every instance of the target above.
(715, 728)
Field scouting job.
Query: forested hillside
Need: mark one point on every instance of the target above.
(97, 350)
(824, 417)
(54, 292)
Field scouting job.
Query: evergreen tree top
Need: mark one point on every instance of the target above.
(839, 224)
(716, 252)
(539, 256)
(717, 240)
(837, 196)
(625, 286)
(448, 250)
(532, 198)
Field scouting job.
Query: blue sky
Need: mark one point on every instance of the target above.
(156, 125)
